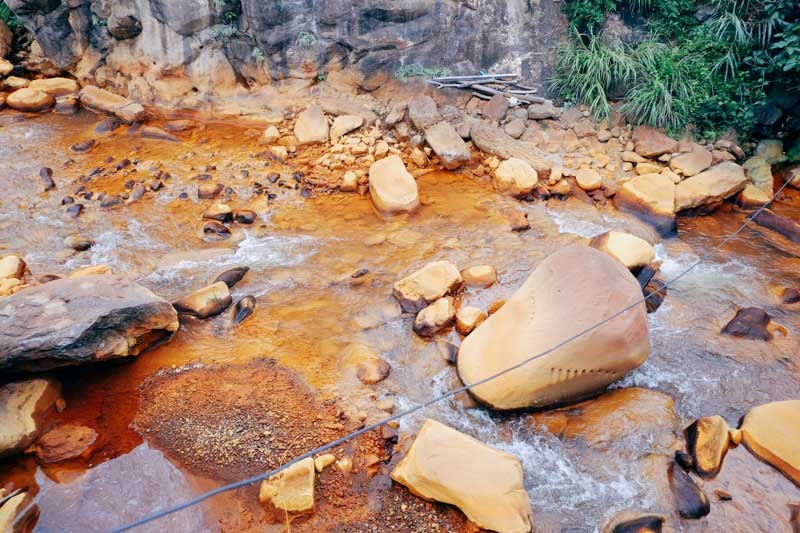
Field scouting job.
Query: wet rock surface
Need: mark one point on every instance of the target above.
(23, 407)
(81, 320)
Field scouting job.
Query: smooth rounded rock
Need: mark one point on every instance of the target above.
(632, 251)
(434, 318)
(516, 177)
(570, 291)
(206, 302)
(30, 100)
(772, 433)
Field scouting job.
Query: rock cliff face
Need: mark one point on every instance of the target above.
(166, 51)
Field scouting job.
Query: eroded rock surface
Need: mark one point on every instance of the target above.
(81, 320)
(23, 405)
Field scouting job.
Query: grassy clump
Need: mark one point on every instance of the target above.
(416, 70)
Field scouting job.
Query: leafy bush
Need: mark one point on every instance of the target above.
(306, 39)
(416, 70)
(8, 16)
(588, 15)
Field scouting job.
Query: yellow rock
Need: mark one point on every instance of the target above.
(570, 291)
(9, 510)
(772, 433)
(447, 466)
(515, 177)
(291, 490)
(468, 318)
(631, 250)
(324, 461)
(708, 439)
(206, 302)
(431, 282)
(391, 187)
(12, 266)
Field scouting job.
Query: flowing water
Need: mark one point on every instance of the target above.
(311, 311)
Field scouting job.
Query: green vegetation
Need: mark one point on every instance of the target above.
(99, 21)
(416, 70)
(710, 75)
(8, 16)
(306, 39)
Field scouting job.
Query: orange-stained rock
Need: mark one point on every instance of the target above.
(23, 405)
(56, 86)
(568, 292)
(63, 443)
(391, 187)
(448, 466)
(479, 276)
(422, 287)
(650, 197)
(772, 432)
(206, 302)
(437, 316)
(708, 439)
(653, 143)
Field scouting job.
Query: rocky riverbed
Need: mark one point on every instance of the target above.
(348, 256)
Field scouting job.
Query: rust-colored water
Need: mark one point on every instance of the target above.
(310, 311)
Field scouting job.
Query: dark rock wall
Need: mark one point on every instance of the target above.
(220, 45)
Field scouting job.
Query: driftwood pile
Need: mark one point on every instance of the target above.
(484, 86)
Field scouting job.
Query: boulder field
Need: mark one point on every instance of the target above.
(571, 290)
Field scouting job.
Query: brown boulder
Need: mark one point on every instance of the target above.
(691, 163)
(437, 316)
(752, 323)
(391, 188)
(447, 144)
(206, 302)
(423, 112)
(652, 143)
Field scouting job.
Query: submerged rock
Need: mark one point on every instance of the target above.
(232, 276)
(772, 433)
(243, 310)
(714, 185)
(64, 443)
(707, 440)
(632, 251)
(571, 290)
(23, 406)
(81, 320)
(635, 524)
(650, 197)
(448, 466)
(751, 323)
(785, 226)
(516, 177)
(447, 144)
(291, 490)
(437, 316)
(206, 302)
(424, 286)
(691, 500)
(391, 187)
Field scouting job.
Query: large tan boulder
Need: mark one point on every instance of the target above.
(72, 321)
(650, 142)
(30, 100)
(588, 179)
(691, 163)
(391, 187)
(311, 126)
(632, 251)
(56, 86)
(447, 144)
(650, 197)
(444, 465)
(714, 185)
(291, 490)
(772, 433)
(23, 407)
(424, 286)
(516, 177)
(570, 291)
(100, 100)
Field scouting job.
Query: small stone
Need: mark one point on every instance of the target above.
(468, 318)
(311, 126)
(29, 100)
(291, 490)
(349, 182)
(244, 216)
(448, 351)
(23, 407)
(83, 146)
(479, 276)
(206, 302)
(632, 251)
(12, 266)
(692, 502)
(424, 286)
(495, 108)
(344, 124)
(232, 276)
(79, 243)
(219, 212)
(270, 135)
(647, 167)
(515, 128)
(423, 112)
(65, 442)
(588, 179)
(434, 318)
(391, 187)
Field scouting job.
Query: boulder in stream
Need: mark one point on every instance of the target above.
(437, 316)
(81, 320)
(691, 500)
(772, 433)
(291, 490)
(56, 86)
(713, 185)
(752, 323)
(650, 197)
(448, 466)
(31, 100)
(708, 438)
(516, 177)
(206, 302)
(431, 282)
(632, 251)
(570, 291)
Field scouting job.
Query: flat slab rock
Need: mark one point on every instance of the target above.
(448, 466)
(98, 99)
(715, 184)
(495, 141)
(81, 320)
